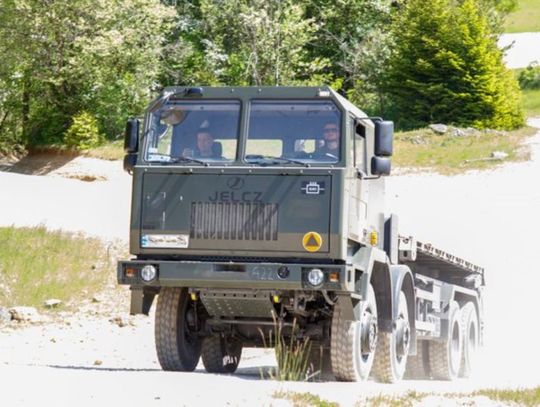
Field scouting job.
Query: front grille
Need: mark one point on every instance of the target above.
(234, 221)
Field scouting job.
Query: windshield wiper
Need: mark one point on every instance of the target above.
(277, 160)
(188, 160)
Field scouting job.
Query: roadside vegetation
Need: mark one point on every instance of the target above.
(459, 149)
(110, 150)
(519, 397)
(303, 399)
(37, 265)
(526, 18)
(531, 102)
(529, 82)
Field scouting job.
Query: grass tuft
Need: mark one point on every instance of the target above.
(292, 356)
(450, 154)
(37, 264)
(304, 399)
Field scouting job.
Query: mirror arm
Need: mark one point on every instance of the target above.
(363, 176)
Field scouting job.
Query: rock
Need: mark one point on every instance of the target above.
(98, 362)
(5, 315)
(458, 133)
(24, 314)
(120, 321)
(95, 298)
(470, 131)
(439, 128)
(499, 155)
(418, 140)
(52, 303)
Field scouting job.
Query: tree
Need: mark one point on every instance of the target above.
(84, 55)
(243, 42)
(446, 67)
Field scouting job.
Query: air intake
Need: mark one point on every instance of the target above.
(234, 221)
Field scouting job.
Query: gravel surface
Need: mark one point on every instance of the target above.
(102, 356)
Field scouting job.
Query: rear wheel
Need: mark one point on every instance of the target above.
(469, 325)
(445, 356)
(353, 342)
(418, 365)
(393, 348)
(178, 345)
(221, 354)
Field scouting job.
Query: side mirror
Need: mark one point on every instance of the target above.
(129, 162)
(384, 137)
(380, 165)
(131, 137)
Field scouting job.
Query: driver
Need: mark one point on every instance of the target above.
(205, 146)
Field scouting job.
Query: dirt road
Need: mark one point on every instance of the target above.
(491, 218)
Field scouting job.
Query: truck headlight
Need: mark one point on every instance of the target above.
(148, 273)
(315, 277)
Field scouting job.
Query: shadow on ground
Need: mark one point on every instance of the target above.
(37, 163)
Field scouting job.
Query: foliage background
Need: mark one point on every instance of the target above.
(107, 58)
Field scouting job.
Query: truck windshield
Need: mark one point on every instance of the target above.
(293, 132)
(186, 132)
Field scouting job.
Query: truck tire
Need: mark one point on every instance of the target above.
(445, 356)
(418, 365)
(178, 346)
(221, 354)
(469, 325)
(353, 343)
(393, 348)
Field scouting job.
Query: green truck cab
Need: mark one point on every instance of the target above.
(260, 209)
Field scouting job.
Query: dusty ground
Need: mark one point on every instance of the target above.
(491, 218)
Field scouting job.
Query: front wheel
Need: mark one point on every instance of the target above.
(221, 354)
(353, 342)
(393, 347)
(177, 342)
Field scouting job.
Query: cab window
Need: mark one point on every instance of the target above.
(294, 132)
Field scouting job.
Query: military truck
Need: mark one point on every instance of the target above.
(258, 210)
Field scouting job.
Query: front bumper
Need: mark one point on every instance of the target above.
(235, 275)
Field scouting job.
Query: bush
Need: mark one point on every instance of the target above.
(529, 78)
(83, 134)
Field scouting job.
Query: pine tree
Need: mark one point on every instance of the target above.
(446, 67)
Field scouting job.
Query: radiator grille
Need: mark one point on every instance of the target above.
(234, 221)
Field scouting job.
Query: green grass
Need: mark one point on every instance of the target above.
(448, 154)
(304, 399)
(520, 397)
(111, 150)
(36, 265)
(525, 19)
(530, 99)
(407, 400)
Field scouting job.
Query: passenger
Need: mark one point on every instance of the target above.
(330, 149)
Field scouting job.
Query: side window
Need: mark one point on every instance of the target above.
(359, 146)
